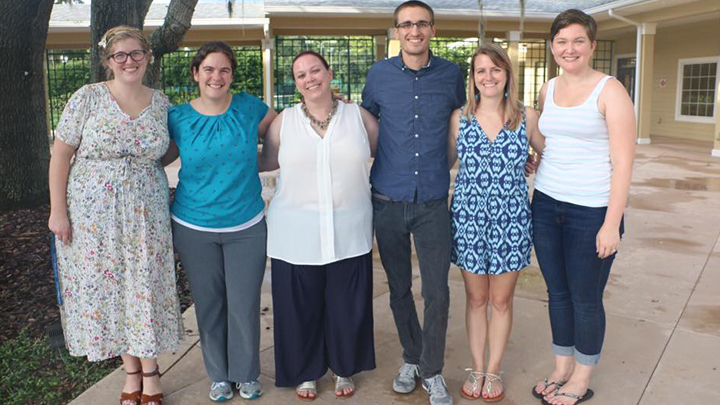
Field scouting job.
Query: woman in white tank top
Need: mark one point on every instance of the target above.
(581, 189)
(320, 234)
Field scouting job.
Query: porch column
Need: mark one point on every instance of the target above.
(716, 146)
(268, 53)
(514, 52)
(644, 100)
(380, 47)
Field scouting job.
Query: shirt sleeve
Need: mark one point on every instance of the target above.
(368, 94)
(261, 108)
(72, 121)
(173, 117)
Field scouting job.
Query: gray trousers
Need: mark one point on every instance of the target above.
(225, 272)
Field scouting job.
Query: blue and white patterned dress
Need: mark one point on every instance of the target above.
(491, 223)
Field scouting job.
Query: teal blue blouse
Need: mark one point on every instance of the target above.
(218, 186)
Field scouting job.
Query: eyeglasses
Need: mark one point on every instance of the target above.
(407, 25)
(121, 57)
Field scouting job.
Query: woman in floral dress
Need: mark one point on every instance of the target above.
(109, 211)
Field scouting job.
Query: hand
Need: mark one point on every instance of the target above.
(607, 241)
(60, 226)
(532, 164)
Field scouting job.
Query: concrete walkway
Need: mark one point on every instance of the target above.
(663, 310)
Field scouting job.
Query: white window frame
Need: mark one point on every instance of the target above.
(678, 95)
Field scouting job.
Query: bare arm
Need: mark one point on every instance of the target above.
(265, 123)
(59, 223)
(372, 128)
(268, 159)
(536, 139)
(453, 129)
(620, 119)
(171, 154)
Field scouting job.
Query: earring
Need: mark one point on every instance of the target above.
(506, 94)
(477, 97)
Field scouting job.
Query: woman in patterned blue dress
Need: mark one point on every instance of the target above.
(492, 230)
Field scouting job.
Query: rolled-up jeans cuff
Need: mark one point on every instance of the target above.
(587, 359)
(563, 350)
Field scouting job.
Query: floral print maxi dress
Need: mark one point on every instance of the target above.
(117, 276)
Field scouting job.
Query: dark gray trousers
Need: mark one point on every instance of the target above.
(429, 225)
(225, 272)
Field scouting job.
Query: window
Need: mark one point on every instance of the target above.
(697, 83)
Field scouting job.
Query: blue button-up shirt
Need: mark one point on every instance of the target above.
(414, 109)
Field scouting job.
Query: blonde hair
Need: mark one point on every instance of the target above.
(117, 34)
(512, 108)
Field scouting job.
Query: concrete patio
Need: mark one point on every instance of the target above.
(663, 309)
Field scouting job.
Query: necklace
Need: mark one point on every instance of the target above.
(324, 123)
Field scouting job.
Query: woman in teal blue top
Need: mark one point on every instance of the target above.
(218, 218)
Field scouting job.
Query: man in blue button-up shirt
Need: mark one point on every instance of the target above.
(413, 95)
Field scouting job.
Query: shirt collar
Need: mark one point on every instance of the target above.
(403, 65)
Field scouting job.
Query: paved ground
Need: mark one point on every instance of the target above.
(663, 309)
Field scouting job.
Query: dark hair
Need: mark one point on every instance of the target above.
(574, 16)
(212, 47)
(412, 3)
(308, 52)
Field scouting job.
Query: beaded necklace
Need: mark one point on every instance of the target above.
(324, 123)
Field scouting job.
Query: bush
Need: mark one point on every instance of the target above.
(36, 374)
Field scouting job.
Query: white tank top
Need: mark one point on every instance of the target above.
(575, 165)
(322, 209)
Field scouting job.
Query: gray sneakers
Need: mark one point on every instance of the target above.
(437, 390)
(221, 391)
(404, 383)
(250, 390)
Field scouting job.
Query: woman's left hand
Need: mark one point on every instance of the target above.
(607, 241)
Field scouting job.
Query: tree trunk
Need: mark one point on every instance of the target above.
(24, 147)
(106, 14)
(168, 38)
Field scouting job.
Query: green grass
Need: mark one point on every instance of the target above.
(34, 373)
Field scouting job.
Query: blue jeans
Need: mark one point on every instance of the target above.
(565, 247)
(429, 225)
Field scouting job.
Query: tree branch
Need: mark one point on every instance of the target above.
(169, 36)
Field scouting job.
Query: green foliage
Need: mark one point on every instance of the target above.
(35, 373)
(68, 70)
(458, 50)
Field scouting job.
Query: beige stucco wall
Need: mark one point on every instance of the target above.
(693, 40)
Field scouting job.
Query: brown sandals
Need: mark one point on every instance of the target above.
(156, 399)
(133, 397)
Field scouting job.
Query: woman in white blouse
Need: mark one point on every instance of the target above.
(320, 234)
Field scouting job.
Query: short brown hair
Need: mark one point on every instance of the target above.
(412, 3)
(212, 47)
(307, 52)
(574, 16)
(117, 34)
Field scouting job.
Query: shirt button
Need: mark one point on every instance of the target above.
(416, 172)
(416, 97)
(416, 135)
(416, 116)
(417, 154)
(416, 79)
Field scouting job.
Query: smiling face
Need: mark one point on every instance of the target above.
(572, 48)
(414, 40)
(490, 79)
(214, 76)
(312, 78)
(130, 71)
